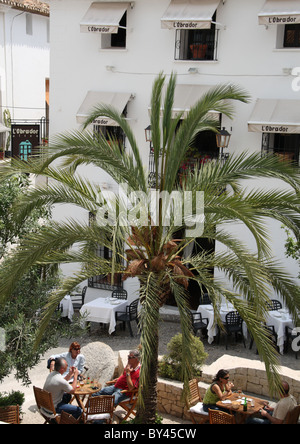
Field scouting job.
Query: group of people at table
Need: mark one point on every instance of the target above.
(65, 369)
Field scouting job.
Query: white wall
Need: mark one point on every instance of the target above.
(24, 63)
(247, 56)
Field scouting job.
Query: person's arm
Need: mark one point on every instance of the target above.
(265, 414)
(129, 382)
(216, 389)
(74, 383)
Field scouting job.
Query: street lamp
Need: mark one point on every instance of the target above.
(148, 134)
(223, 138)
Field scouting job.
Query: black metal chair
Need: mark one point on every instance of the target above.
(120, 293)
(233, 325)
(78, 299)
(205, 299)
(130, 315)
(270, 331)
(274, 305)
(197, 322)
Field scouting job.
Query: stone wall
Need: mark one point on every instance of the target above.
(247, 375)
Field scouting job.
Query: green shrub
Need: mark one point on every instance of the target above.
(171, 365)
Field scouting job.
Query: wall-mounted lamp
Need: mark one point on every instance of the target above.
(223, 138)
(148, 134)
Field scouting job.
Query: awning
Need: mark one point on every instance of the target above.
(276, 12)
(279, 116)
(189, 14)
(117, 100)
(103, 18)
(186, 96)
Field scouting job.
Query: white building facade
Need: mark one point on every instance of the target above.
(111, 51)
(24, 62)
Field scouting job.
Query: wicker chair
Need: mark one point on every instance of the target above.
(233, 324)
(10, 414)
(130, 315)
(195, 405)
(66, 418)
(219, 417)
(100, 408)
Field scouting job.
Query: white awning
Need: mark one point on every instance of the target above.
(103, 18)
(279, 116)
(276, 12)
(189, 14)
(117, 100)
(186, 96)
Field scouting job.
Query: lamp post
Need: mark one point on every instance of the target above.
(223, 139)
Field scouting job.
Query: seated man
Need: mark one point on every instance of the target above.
(277, 414)
(60, 388)
(127, 381)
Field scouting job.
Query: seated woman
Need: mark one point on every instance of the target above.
(217, 391)
(73, 358)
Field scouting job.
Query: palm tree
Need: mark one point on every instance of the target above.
(148, 248)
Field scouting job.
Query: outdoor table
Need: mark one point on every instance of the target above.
(85, 389)
(67, 310)
(103, 311)
(280, 320)
(254, 405)
(207, 311)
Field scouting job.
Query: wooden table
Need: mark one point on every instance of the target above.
(258, 405)
(84, 390)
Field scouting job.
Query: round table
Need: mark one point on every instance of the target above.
(85, 389)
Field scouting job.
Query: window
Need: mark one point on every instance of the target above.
(29, 29)
(292, 36)
(111, 132)
(118, 40)
(286, 147)
(199, 44)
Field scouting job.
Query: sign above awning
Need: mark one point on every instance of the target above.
(103, 18)
(277, 12)
(280, 116)
(189, 14)
(117, 100)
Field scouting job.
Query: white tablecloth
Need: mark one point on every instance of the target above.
(103, 310)
(67, 308)
(207, 311)
(280, 319)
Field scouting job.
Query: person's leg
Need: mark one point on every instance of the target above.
(68, 408)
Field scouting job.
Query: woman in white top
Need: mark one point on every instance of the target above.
(73, 358)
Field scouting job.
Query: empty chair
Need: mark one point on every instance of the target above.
(78, 299)
(219, 417)
(130, 315)
(205, 299)
(233, 325)
(271, 333)
(195, 405)
(119, 294)
(66, 418)
(10, 414)
(290, 336)
(197, 322)
(100, 408)
(274, 305)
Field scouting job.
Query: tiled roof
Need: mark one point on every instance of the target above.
(34, 6)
